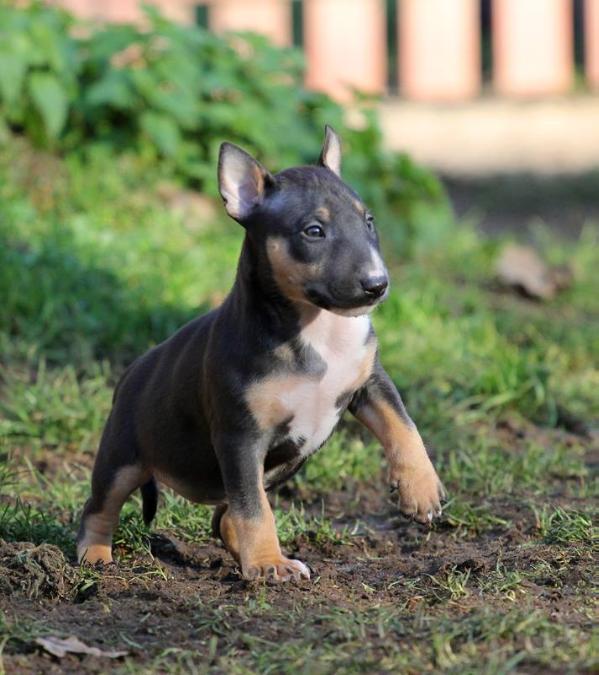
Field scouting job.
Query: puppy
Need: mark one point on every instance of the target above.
(236, 401)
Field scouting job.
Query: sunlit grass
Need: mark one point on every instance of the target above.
(95, 268)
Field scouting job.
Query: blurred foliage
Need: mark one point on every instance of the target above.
(39, 66)
(174, 92)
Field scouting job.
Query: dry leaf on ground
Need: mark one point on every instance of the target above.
(61, 647)
(521, 267)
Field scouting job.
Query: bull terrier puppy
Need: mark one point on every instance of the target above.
(235, 402)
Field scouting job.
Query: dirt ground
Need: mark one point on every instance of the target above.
(191, 598)
(501, 584)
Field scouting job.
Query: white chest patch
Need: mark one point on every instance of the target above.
(311, 402)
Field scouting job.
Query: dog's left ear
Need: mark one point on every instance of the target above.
(330, 155)
(241, 181)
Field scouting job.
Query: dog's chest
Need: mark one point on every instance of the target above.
(305, 404)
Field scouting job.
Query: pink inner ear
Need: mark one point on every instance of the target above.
(331, 153)
(248, 195)
(243, 190)
(241, 181)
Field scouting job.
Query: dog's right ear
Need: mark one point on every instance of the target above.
(241, 181)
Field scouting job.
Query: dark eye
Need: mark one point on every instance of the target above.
(370, 222)
(314, 232)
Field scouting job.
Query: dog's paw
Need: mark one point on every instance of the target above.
(281, 569)
(418, 491)
(94, 553)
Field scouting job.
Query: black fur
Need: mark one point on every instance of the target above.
(180, 411)
(149, 500)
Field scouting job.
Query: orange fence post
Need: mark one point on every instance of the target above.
(182, 11)
(345, 46)
(127, 11)
(80, 8)
(591, 39)
(268, 17)
(118, 11)
(439, 49)
(532, 46)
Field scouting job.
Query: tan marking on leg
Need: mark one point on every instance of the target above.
(96, 544)
(94, 553)
(410, 469)
(229, 534)
(399, 438)
(258, 546)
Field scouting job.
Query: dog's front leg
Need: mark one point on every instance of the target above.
(379, 407)
(247, 526)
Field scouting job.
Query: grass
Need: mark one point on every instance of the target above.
(482, 642)
(566, 526)
(95, 267)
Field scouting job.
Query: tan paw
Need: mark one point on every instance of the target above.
(94, 553)
(281, 569)
(419, 492)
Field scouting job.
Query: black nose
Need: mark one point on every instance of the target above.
(374, 286)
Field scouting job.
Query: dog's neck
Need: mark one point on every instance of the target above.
(256, 296)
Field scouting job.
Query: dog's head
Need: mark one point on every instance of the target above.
(312, 230)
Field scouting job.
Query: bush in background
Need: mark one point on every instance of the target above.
(172, 93)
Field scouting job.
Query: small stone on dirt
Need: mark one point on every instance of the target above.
(521, 268)
(72, 645)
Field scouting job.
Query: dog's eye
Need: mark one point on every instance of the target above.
(370, 222)
(314, 232)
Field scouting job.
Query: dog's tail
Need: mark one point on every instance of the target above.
(149, 500)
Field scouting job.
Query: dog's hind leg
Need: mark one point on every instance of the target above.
(110, 489)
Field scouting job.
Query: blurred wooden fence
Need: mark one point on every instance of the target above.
(430, 50)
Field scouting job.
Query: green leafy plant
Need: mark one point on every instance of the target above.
(173, 92)
(38, 71)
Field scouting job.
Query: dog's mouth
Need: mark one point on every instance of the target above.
(354, 306)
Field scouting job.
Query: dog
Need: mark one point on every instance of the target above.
(234, 403)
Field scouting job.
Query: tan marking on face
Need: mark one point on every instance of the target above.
(359, 207)
(290, 275)
(98, 527)
(323, 213)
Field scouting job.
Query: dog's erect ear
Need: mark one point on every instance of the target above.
(330, 155)
(241, 181)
